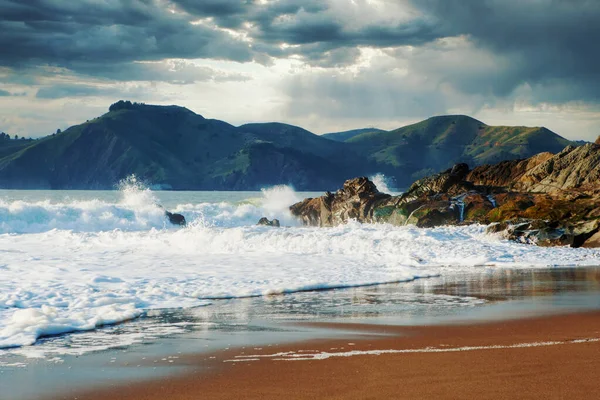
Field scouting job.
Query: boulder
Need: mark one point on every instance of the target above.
(266, 222)
(175, 219)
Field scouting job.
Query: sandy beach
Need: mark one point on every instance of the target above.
(551, 357)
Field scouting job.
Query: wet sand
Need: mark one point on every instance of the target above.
(550, 357)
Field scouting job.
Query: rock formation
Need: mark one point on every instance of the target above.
(357, 200)
(266, 222)
(574, 170)
(546, 199)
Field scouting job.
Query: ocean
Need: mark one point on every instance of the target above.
(83, 271)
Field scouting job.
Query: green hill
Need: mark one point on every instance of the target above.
(440, 142)
(10, 145)
(173, 147)
(176, 148)
(346, 135)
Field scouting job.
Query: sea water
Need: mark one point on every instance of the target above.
(73, 261)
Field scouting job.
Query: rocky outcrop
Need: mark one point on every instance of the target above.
(573, 171)
(266, 222)
(505, 173)
(450, 182)
(356, 200)
(546, 199)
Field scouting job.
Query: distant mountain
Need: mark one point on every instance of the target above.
(580, 142)
(346, 135)
(174, 148)
(439, 142)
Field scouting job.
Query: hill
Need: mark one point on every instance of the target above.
(346, 135)
(440, 142)
(174, 148)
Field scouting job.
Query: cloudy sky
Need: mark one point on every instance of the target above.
(325, 65)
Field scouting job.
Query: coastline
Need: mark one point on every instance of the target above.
(537, 357)
(329, 319)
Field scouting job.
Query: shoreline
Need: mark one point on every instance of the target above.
(294, 321)
(537, 357)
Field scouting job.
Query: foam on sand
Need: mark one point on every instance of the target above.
(305, 356)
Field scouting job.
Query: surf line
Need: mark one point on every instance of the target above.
(303, 356)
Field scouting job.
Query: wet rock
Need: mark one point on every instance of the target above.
(356, 200)
(175, 219)
(450, 182)
(549, 200)
(438, 217)
(477, 207)
(266, 222)
(549, 233)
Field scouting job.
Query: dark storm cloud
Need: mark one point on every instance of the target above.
(311, 27)
(234, 13)
(69, 34)
(551, 43)
(66, 33)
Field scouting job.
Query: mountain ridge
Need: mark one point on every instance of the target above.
(347, 135)
(174, 148)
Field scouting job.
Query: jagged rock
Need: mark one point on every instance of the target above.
(573, 170)
(505, 173)
(356, 200)
(450, 182)
(547, 199)
(265, 221)
(175, 219)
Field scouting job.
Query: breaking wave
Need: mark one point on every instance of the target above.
(72, 264)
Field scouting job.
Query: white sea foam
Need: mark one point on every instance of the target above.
(70, 266)
(316, 355)
(138, 209)
(384, 184)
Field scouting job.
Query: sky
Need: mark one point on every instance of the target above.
(325, 65)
